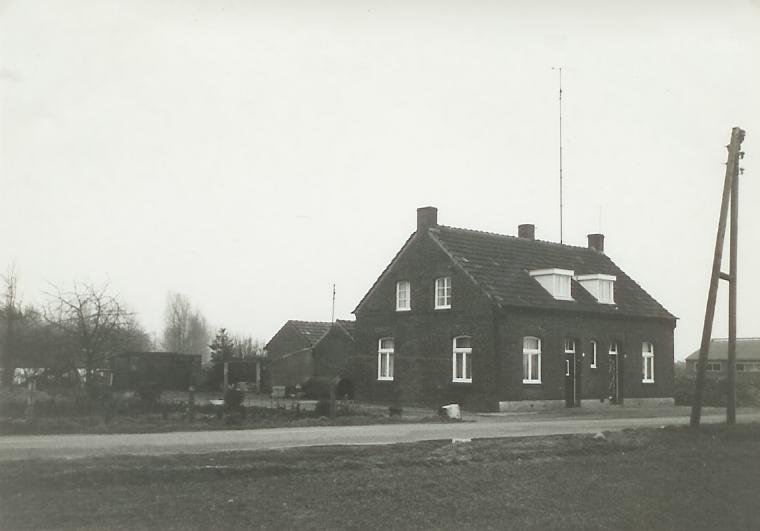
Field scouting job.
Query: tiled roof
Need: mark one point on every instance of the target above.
(311, 330)
(500, 264)
(746, 349)
(348, 326)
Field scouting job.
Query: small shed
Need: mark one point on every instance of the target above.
(170, 371)
(747, 358)
(304, 350)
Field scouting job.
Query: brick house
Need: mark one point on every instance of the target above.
(501, 322)
(747, 358)
(304, 351)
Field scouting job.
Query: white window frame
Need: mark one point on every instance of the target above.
(710, 366)
(595, 284)
(569, 349)
(614, 349)
(385, 362)
(553, 280)
(647, 362)
(531, 357)
(400, 307)
(594, 350)
(466, 354)
(443, 293)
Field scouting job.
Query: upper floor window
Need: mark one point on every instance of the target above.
(594, 347)
(442, 293)
(602, 287)
(531, 360)
(556, 281)
(461, 360)
(403, 296)
(385, 359)
(647, 356)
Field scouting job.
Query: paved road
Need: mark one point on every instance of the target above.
(75, 446)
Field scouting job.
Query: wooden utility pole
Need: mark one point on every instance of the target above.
(730, 194)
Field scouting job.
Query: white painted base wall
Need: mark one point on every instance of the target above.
(590, 403)
(531, 405)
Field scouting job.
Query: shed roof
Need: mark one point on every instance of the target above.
(747, 348)
(312, 331)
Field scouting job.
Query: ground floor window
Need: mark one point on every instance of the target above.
(647, 356)
(461, 360)
(385, 359)
(531, 360)
(748, 366)
(593, 354)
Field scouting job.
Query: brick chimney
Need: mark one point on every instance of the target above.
(596, 242)
(427, 217)
(527, 231)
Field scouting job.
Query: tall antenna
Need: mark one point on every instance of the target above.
(560, 156)
(332, 316)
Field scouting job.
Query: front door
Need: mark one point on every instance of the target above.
(614, 379)
(571, 383)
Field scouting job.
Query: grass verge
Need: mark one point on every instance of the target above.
(255, 418)
(636, 479)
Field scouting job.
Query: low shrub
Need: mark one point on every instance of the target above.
(715, 391)
(150, 395)
(233, 398)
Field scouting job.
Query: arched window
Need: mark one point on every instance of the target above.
(461, 360)
(531, 360)
(385, 359)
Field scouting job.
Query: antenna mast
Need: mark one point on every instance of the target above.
(560, 156)
(332, 316)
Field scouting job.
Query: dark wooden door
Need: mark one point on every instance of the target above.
(571, 387)
(614, 379)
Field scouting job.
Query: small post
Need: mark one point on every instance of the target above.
(332, 401)
(191, 403)
(258, 376)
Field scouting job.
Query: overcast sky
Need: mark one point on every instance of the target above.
(251, 154)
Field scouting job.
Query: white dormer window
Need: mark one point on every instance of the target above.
(602, 287)
(555, 281)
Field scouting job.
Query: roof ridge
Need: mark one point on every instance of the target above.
(511, 237)
(738, 339)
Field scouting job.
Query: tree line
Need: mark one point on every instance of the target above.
(77, 330)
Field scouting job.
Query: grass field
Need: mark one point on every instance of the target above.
(642, 479)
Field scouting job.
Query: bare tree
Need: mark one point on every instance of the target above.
(95, 325)
(177, 323)
(248, 348)
(185, 329)
(11, 312)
